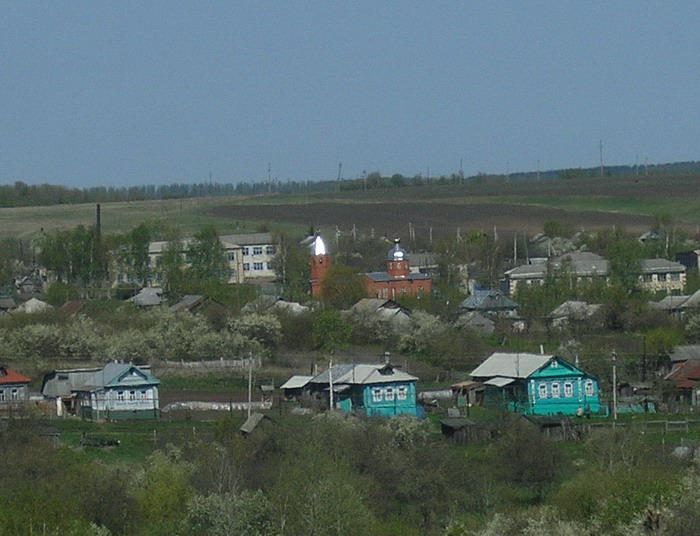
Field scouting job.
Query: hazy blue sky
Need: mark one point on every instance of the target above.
(126, 93)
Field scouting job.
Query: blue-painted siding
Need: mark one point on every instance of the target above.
(561, 389)
(387, 400)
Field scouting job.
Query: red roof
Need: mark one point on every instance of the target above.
(687, 375)
(10, 376)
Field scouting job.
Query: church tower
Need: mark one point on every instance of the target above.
(397, 265)
(320, 262)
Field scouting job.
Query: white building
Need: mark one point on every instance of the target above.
(249, 257)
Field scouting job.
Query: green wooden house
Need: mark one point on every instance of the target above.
(537, 384)
(369, 390)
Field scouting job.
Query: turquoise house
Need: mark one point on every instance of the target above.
(370, 390)
(537, 384)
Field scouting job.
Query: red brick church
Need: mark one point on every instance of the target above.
(393, 283)
(397, 280)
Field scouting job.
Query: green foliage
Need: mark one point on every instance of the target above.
(291, 264)
(342, 286)
(624, 264)
(248, 513)
(205, 256)
(555, 228)
(528, 458)
(75, 256)
(329, 330)
(59, 293)
(661, 341)
(163, 494)
(295, 329)
(265, 329)
(444, 344)
(692, 328)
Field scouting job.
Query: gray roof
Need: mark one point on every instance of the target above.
(252, 422)
(669, 303)
(363, 374)
(384, 276)
(249, 239)
(296, 382)
(506, 365)
(371, 305)
(228, 241)
(692, 301)
(187, 302)
(487, 300)
(661, 265)
(590, 265)
(576, 309)
(685, 352)
(118, 374)
(148, 297)
(60, 383)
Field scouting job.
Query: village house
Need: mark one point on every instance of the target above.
(368, 390)
(119, 391)
(14, 389)
(537, 384)
(657, 275)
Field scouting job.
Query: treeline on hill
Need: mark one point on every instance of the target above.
(21, 194)
(333, 475)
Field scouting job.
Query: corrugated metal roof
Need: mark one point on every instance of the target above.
(661, 265)
(499, 381)
(507, 365)
(685, 352)
(296, 382)
(115, 374)
(488, 300)
(249, 239)
(363, 374)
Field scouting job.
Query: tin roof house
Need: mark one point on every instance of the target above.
(119, 391)
(537, 384)
(370, 390)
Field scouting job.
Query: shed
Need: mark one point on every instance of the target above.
(556, 428)
(294, 386)
(462, 431)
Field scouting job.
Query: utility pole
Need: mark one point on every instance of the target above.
(600, 148)
(340, 169)
(614, 381)
(250, 382)
(330, 381)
